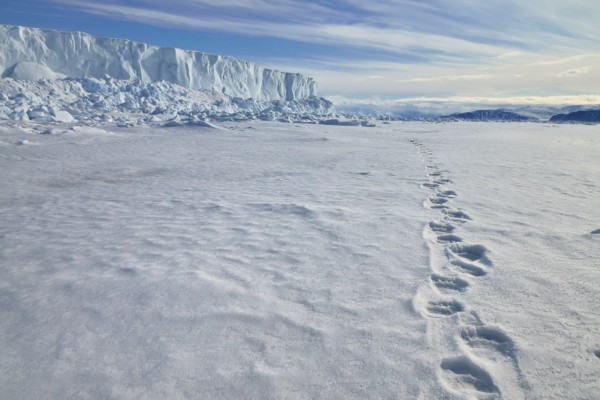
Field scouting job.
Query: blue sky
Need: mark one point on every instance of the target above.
(381, 51)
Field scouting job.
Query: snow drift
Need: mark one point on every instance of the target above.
(31, 54)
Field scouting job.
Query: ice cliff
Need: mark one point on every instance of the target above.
(31, 54)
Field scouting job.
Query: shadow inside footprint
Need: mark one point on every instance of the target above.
(448, 238)
(457, 215)
(447, 193)
(468, 374)
(444, 308)
(595, 232)
(438, 200)
(441, 227)
(597, 353)
(471, 252)
(469, 268)
(490, 338)
(447, 282)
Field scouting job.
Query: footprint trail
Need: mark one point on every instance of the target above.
(477, 360)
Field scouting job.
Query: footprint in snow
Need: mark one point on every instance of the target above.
(490, 338)
(449, 238)
(457, 215)
(441, 227)
(447, 282)
(447, 193)
(430, 185)
(471, 252)
(467, 258)
(437, 200)
(463, 375)
(469, 268)
(444, 308)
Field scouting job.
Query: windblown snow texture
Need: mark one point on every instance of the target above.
(31, 54)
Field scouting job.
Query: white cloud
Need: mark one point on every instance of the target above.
(559, 61)
(574, 72)
(450, 78)
(515, 100)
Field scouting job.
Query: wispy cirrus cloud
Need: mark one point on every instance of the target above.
(396, 48)
(437, 29)
(330, 27)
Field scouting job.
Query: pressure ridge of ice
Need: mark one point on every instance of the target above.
(89, 100)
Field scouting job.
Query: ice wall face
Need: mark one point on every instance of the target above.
(25, 52)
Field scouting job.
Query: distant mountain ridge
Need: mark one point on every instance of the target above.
(578, 116)
(490, 115)
(32, 53)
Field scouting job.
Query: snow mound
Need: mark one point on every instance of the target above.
(32, 54)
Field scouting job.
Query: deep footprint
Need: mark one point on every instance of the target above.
(471, 252)
(490, 338)
(444, 308)
(447, 193)
(448, 238)
(467, 375)
(441, 227)
(438, 207)
(447, 282)
(457, 215)
(469, 268)
(438, 200)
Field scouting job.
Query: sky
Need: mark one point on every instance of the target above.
(386, 53)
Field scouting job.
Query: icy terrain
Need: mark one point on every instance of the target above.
(99, 101)
(269, 260)
(32, 54)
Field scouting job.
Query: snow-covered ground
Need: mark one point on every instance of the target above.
(269, 260)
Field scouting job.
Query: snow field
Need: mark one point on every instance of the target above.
(268, 260)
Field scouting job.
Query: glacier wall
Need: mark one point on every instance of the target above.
(31, 53)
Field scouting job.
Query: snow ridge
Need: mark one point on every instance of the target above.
(32, 54)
